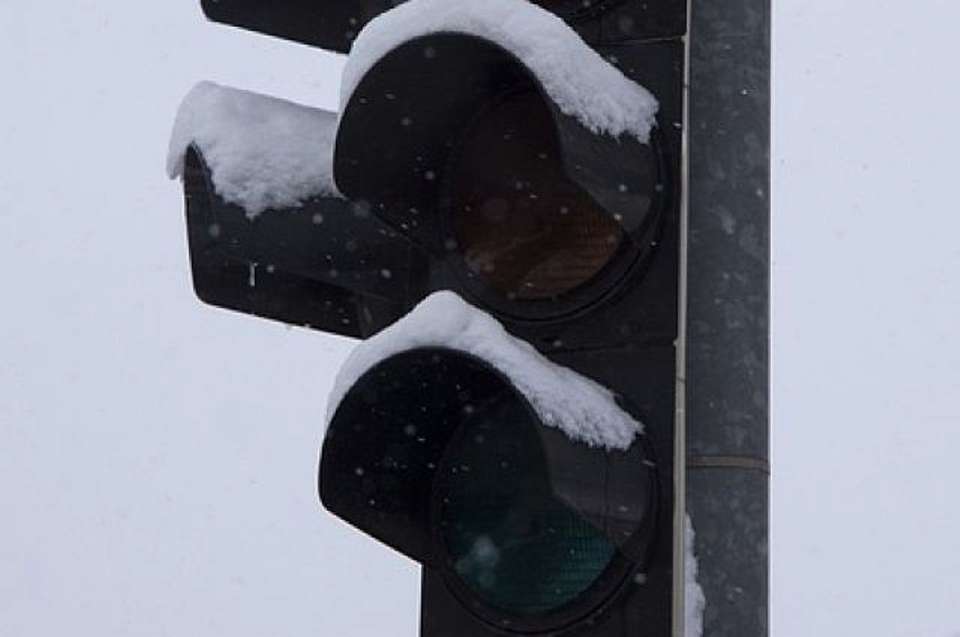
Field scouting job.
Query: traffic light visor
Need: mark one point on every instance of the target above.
(538, 213)
(435, 453)
(285, 264)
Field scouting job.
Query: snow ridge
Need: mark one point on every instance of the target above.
(581, 408)
(263, 152)
(579, 80)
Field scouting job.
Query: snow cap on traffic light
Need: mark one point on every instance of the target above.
(582, 409)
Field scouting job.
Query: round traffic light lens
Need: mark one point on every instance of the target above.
(521, 226)
(510, 543)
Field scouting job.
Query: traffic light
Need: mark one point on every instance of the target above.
(498, 208)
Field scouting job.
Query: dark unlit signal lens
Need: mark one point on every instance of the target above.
(509, 540)
(522, 226)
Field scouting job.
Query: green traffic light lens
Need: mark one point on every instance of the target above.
(510, 543)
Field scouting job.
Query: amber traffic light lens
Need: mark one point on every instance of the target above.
(521, 225)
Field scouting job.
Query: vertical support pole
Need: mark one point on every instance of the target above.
(727, 310)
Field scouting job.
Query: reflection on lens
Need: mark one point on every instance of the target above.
(508, 539)
(521, 225)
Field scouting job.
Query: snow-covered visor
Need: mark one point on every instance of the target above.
(287, 264)
(453, 82)
(464, 448)
(530, 197)
(438, 454)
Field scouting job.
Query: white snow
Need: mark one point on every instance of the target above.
(694, 599)
(578, 79)
(576, 405)
(263, 152)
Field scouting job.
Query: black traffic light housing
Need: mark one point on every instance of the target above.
(334, 24)
(421, 139)
(320, 23)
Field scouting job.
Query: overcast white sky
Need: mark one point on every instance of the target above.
(157, 457)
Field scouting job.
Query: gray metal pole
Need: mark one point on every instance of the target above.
(727, 320)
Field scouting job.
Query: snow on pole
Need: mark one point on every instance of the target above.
(263, 152)
(581, 408)
(694, 599)
(574, 76)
